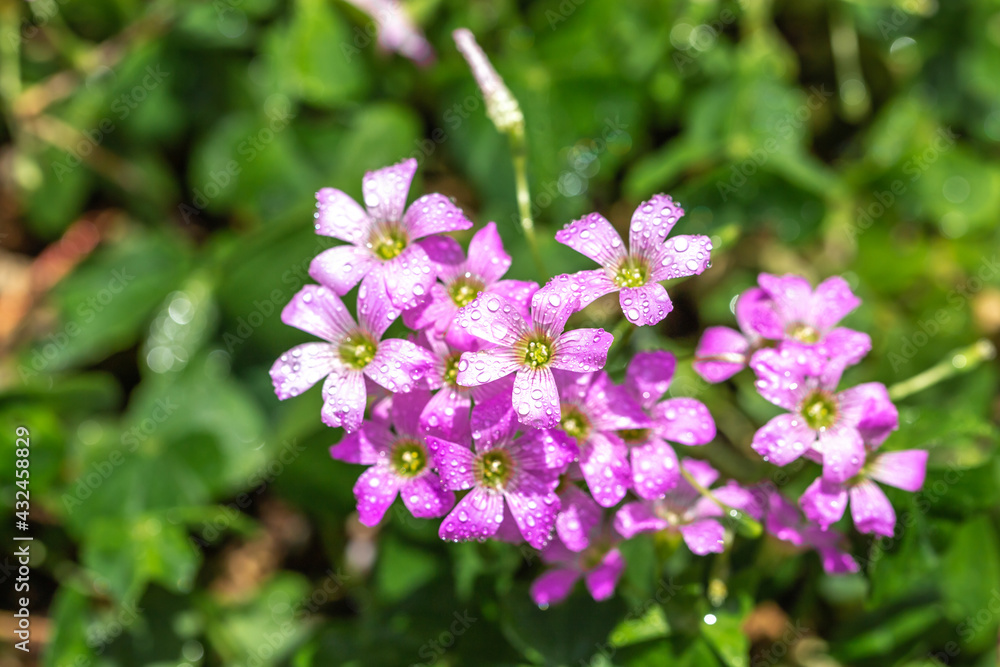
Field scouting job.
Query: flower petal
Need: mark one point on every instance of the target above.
(534, 506)
(610, 408)
(375, 490)
(587, 286)
(435, 312)
(648, 376)
(783, 519)
(581, 350)
(824, 502)
(782, 372)
(871, 510)
(517, 292)
(704, 536)
(344, 399)
(434, 214)
(684, 420)
(553, 586)
(651, 223)
(476, 368)
(399, 364)
(339, 216)
(317, 310)
(493, 421)
(756, 315)
(406, 409)
(454, 463)
(846, 344)
(551, 306)
(408, 277)
(487, 257)
(792, 297)
(682, 255)
(605, 467)
(601, 581)
(342, 267)
(904, 469)
(721, 354)
(843, 452)
(869, 407)
(447, 415)
(594, 237)
(365, 445)
(544, 451)
(579, 516)
(302, 367)
(477, 516)
(494, 319)
(831, 302)
(636, 517)
(535, 397)
(385, 190)
(783, 439)
(646, 305)
(375, 309)
(425, 497)
(655, 469)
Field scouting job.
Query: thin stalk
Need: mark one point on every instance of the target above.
(745, 524)
(519, 156)
(960, 361)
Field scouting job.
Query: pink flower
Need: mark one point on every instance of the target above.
(351, 352)
(636, 272)
(387, 241)
(531, 352)
(518, 472)
(396, 31)
(784, 521)
(825, 424)
(585, 548)
(399, 461)
(783, 309)
(463, 282)
(683, 420)
(683, 509)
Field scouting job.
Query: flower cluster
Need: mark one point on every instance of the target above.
(489, 411)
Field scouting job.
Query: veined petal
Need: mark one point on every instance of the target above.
(843, 452)
(782, 373)
(375, 310)
(476, 368)
(493, 420)
(551, 306)
(824, 502)
(425, 497)
(581, 350)
(302, 367)
(682, 255)
(375, 490)
(646, 305)
(317, 310)
(399, 364)
(588, 286)
(435, 313)
(434, 214)
(516, 292)
(553, 586)
(447, 415)
(594, 237)
(365, 445)
(409, 277)
(454, 463)
(535, 397)
(534, 506)
(649, 375)
(831, 302)
(601, 581)
(544, 451)
(339, 216)
(651, 223)
(684, 420)
(610, 408)
(344, 398)
(477, 516)
(579, 516)
(406, 409)
(444, 252)
(783, 439)
(605, 467)
(487, 257)
(721, 354)
(342, 267)
(655, 469)
(871, 510)
(494, 319)
(704, 536)
(385, 190)
(637, 517)
(904, 469)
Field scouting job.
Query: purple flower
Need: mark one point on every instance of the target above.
(399, 463)
(502, 470)
(593, 412)
(529, 351)
(388, 242)
(463, 282)
(636, 272)
(824, 502)
(682, 420)
(821, 422)
(350, 353)
(783, 520)
(396, 31)
(585, 548)
(783, 308)
(685, 510)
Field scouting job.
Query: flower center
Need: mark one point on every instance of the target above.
(387, 241)
(409, 458)
(574, 422)
(819, 410)
(450, 374)
(803, 332)
(537, 350)
(357, 350)
(634, 436)
(464, 289)
(632, 273)
(494, 468)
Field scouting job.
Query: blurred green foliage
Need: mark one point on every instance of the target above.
(183, 516)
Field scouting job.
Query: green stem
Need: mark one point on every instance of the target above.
(519, 156)
(745, 524)
(960, 361)
(622, 334)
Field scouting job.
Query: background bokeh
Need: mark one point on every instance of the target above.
(158, 166)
